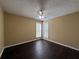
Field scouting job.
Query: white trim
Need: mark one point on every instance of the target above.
(19, 43)
(1, 52)
(34, 40)
(64, 45)
(15, 45)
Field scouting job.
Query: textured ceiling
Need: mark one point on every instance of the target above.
(30, 8)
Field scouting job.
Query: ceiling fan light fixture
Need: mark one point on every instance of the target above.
(40, 12)
(41, 15)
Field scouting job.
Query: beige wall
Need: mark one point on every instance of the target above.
(18, 29)
(65, 30)
(1, 30)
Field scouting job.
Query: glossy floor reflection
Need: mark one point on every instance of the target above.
(40, 49)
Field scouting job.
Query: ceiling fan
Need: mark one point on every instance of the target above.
(42, 13)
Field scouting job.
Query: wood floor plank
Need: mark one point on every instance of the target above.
(40, 49)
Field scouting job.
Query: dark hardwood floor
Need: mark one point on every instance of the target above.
(40, 49)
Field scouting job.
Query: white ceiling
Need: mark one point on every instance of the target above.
(30, 8)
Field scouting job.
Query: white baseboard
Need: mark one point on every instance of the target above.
(64, 45)
(1, 52)
(15, 45)
(34, 40)
(19, 43)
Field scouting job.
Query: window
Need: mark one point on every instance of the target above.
(38, 29)
(45, 30)
(42, 30)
